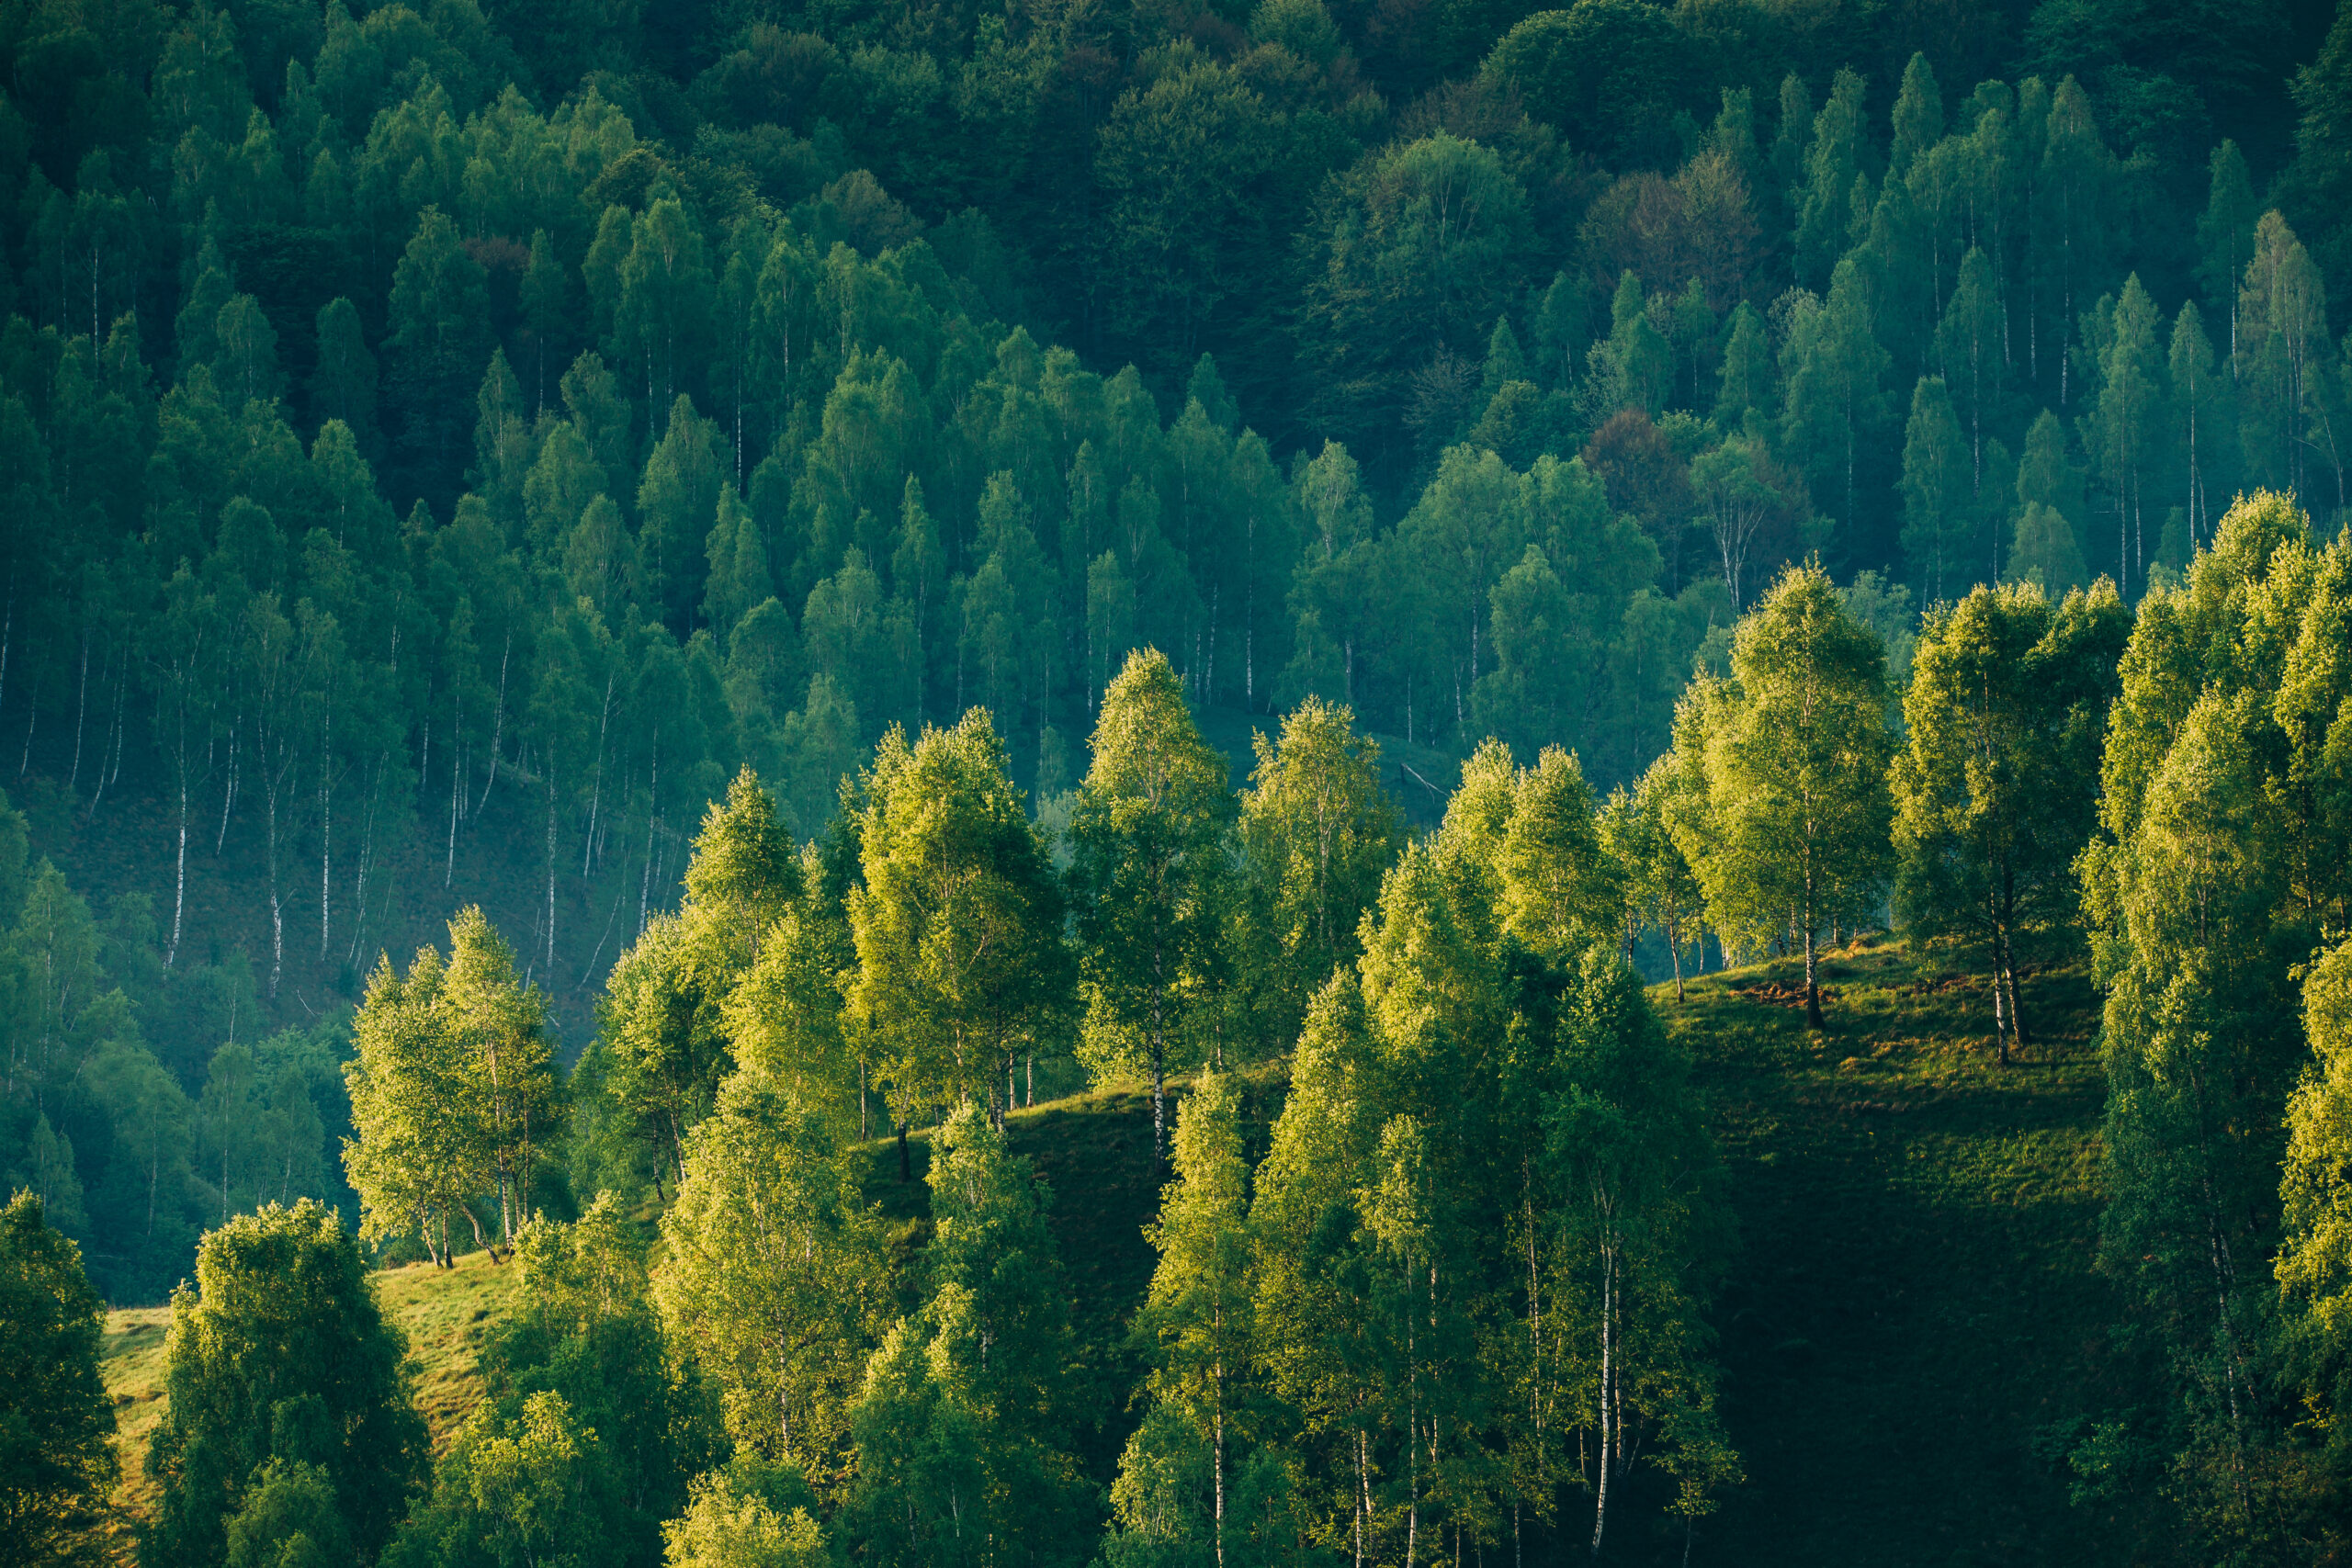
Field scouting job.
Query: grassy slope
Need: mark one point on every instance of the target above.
(1916, 1293)
(1914, 1298)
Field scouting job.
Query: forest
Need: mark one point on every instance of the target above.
(616, 633)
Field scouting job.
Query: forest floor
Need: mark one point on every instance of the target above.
(1913, 1307)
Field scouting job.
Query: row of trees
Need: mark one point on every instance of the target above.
(1468, 1281)
(419, 462)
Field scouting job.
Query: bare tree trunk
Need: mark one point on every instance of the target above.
(179, 875)
(277, 904)
(1608, 1389)
(81, 710)
(326, 833)
(1812, 977)
(497, 720)
(550, 869)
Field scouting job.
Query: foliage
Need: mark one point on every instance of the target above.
(57, 1460)
(280, 1356)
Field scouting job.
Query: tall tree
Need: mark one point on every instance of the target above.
(957, 922)
(279, 1351)
(1995, 788)
(1938, 497)
(1796, 747)
(1150, 874)
(1318, 829)
(1198, 1315)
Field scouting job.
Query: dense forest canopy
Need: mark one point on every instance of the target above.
(874, 559)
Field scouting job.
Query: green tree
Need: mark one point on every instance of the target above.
(1198, 1317)
(438, 311)
(956, 1427)
(1833, 161)
(1561, 892)
(279, 1352)
(957, 922)
(57, 1457)
(1938, 498)
(2050, 500)
(2225, 232)
(2219, 860)
(1832, 368)
(1797, 748)
(1151, 883)
(1418, 254)
(452, 1090)
(1994, 788)
(1317, 829)
(729, 1524)
(768, 1272)
(2127, 421)
(520, 1486)
(1662, 890)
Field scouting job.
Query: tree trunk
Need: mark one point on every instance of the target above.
(276, 905)
(1219, 1416)
(179, 877)
(497, 721)
(1812, 977)
(327, 837)
(81, 712)
(1158, 1069)
(906, 1164)
(1608, 1372)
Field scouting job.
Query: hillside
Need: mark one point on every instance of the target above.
(1914, 1300)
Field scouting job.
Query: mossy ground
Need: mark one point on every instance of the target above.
(1914, 1301)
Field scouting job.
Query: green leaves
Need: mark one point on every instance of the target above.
(1153, 882)
(957, 922)
(1993, 789)
(1793, 751)
(278, 1352)
(57, 1457)
(452, 1090)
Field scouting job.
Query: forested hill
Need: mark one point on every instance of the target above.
(593, 485)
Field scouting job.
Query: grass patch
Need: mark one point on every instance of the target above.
(1916, 1295)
